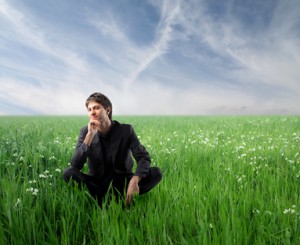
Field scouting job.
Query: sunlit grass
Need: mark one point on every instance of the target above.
(227, 180)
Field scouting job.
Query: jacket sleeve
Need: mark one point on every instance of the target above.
(81, 151)
(140, 154)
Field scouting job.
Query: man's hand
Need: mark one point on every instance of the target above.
(93, 128)
(133, 188)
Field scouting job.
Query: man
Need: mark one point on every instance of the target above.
(108, 146)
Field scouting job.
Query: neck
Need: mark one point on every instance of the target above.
(106, 127)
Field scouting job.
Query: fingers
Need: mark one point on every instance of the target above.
(128, 199)
(129, 196)
(133, 188)
(94, 125)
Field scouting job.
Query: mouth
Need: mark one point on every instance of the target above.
(95, 118)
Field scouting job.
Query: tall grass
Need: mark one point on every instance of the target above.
(227, 180)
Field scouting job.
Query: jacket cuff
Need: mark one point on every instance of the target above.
(84, 147)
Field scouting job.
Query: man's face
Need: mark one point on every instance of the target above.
(97, 112)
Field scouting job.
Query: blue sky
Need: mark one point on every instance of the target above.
(164, 57)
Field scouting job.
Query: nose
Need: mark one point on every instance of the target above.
(92, 112)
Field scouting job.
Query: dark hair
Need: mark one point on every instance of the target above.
(101, 99)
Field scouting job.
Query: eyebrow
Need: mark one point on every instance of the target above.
(90, 107)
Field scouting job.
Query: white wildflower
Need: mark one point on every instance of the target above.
(18, 202)
(289, 210)
(35, 191)
(52, 158)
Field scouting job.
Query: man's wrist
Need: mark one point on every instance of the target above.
(89, 138)
(137, 177)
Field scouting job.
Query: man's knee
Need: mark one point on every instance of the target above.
(151, 180)
(69, 173)
(156, 173)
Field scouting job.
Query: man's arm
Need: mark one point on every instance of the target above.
(140, 154)
(143, 161)
(81, 150)
(84, 141)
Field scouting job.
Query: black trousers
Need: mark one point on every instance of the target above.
(98, 186)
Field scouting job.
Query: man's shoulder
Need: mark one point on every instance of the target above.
(122, 127)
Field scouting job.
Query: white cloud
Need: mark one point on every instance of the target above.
(193, 64)
(154, 98)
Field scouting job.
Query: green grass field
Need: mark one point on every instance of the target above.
(227, 180)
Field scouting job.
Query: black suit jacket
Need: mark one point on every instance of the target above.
(122, 145)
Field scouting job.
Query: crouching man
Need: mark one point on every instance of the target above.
(108, 147)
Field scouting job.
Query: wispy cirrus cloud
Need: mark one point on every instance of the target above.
(266, 54)
(217, 57)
